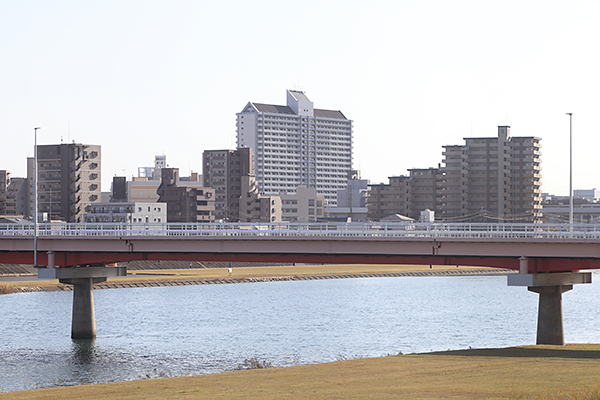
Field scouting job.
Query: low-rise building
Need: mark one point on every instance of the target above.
(256, 207)
(351, 201)
(127, 212)
(185, 203)
(557, 209)
(142, 189)
(303, 206)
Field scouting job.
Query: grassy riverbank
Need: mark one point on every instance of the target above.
(534, 372)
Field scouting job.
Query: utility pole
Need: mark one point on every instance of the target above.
(570, 169)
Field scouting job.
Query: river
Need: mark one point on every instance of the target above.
(191, 330)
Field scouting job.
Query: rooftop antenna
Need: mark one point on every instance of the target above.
(68, 130)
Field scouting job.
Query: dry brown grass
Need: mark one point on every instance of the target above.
(262, 272)
(536, 372)
(6, 288)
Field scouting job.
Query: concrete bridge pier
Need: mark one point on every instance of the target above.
(82, 278)
(550, 286)
(550, 327)
(83, 323)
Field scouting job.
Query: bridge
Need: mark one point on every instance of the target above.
(548, 256)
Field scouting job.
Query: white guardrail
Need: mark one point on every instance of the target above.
(353, 229)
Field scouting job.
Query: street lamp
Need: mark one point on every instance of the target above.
(570, 168)
(35, 196)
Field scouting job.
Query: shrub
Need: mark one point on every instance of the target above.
(255, 363)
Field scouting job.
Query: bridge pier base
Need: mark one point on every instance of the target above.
(83, 323)
(550, 327)
(550, 287)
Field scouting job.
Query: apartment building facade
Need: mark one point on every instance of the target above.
(127, 212)
(297, 145)
(69, 177)
(487, 179)
(493, 179)
(185, 203)
(223, 170)
(303, 206)
(407, 195)
(258, 207)
(17, 197)
(4, 182)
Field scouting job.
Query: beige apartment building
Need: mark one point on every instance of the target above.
(495, 179)
(68, 180)
(406, 195)
(223, 170)
(257, 207)
(303, 206)
(143, 188)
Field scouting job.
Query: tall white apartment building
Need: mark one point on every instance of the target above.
(297, 145)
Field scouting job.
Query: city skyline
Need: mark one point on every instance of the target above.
(140, 78)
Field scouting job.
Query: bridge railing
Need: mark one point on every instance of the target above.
(354, 229)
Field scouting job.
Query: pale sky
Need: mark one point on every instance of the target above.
(150, 77)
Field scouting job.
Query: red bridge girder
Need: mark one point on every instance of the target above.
(536, 264)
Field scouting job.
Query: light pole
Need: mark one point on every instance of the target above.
(570, 168)
(35, 196)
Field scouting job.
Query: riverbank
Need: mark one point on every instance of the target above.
(529, 372)
(209, 276)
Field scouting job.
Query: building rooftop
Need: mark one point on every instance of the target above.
(275, 109)
(329, 114)
(272, 108)
(298, 95)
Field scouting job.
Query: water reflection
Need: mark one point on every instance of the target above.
(84, 351)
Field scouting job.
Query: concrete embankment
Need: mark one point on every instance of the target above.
(115, 284)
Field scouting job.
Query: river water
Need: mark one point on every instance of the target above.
(192, 330)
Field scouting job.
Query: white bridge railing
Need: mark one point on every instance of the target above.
(354, 229)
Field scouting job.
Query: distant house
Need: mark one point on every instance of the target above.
(397, 218)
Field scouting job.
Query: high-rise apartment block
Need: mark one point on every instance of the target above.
(68, 180)
(223, 170)
(495, 179)
(297, 145)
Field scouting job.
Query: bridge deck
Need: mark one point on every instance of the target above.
(550, 247)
